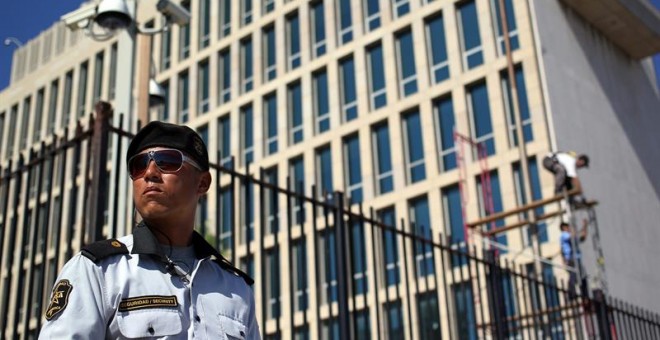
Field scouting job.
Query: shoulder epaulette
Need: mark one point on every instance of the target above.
(100, 250)
(225, 264)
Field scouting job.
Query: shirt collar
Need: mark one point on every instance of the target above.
(145, 242)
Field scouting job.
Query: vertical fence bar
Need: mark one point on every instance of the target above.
(262, 252)
(235, 230)
(416, 296)
(6, 186)
(481, 300)
(117, 166)
(38, 165)
(247, 208)
(351, 291)
(98, 158)
(345, 328)
(218, 203)
(375, 270)
(62, 174)
(73, 196)
(78, 165)
(19, 292)
(453, 257)
(12, 235)
(471, 278)
(405, 264)
(319, 283)
(315, 245)
(49, 155)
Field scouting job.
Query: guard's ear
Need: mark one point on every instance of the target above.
(204, 183)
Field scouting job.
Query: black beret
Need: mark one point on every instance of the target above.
(173, 136)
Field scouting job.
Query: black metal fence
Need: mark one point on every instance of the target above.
(324, 268)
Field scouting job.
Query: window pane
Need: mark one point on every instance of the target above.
(427, 309)
(400, 7)
(270, 66)
(321, 105)
(353, 168)
(390, 248)
(247, 133)
(406, 64)
(271, 202)
(183, 101)
(453, 221)
(272, 293)
(98, 76)
(523, 106)
(324, 172)
(371, 14)
(378, 94)
(444, 115)
(184, 35)
(437, 48)
(297, 175)
(490, 202)
(318, 29)
(394, 315)
(270, 119)
(479, 107)
(464, 306)
(295, 113)
(383, 158)
(224, 141)
(293, 42)
(203, 87)
(420, 220)
(345, 33)
(470, 38)
(348, 91)
(246, 12)
(225, 18)
(224, 76)
(414, 147)
(204, 23)
(246, 66)
(226, 204)
(510, 23)
(82, 89)
(359, 259)
(300, 274)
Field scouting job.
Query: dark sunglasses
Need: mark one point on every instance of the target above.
(167, 161)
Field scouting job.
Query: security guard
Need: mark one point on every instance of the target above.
(163, 281)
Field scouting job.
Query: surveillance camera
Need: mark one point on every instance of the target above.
(157, 94)
(174, 12)
(80, 18)
(113, 14)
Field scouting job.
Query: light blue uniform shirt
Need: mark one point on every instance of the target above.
(137, 295)
(567, 246)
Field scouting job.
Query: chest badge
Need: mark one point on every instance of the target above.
(148, 301)
(59, 298)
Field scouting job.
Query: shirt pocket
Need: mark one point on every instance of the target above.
(149, 323)
(231, 328)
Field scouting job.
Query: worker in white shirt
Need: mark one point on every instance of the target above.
(564, 166)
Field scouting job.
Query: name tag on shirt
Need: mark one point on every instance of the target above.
(147, 301)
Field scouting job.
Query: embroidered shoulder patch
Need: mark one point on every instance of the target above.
(59, 298)
(147, 301)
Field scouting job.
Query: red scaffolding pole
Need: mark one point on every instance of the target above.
(486, 191)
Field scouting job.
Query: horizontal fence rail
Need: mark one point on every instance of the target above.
(325, 267)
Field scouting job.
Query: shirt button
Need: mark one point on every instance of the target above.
(197, 318)
(151, 330)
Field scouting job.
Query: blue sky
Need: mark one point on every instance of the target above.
(25, 19)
